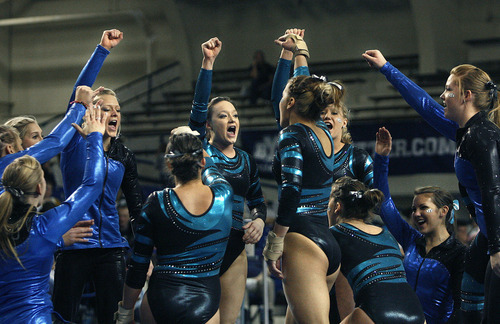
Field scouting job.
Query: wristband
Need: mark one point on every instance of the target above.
(80, 102)
(300, 45)
(124, 316)
(274, 247)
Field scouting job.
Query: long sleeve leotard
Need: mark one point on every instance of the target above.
(304, 174)
(350, 160)
(24, 296)
(240, 171)
(435, 276)
(477, 163)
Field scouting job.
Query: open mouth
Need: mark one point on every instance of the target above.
(329, 125)
(420, 221)
(112, 124)
(231, 130)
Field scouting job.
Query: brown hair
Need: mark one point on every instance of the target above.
(469, 77)
(440, 198)
(19, 179)
(357, 200)
(184, 153)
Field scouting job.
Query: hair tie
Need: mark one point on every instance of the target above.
(15, 192)
(456, 206)
(356, 194)
(335, 84)
(493, 93)
(175, 153)
(319, 77)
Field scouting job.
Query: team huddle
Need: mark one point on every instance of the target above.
(336, 264)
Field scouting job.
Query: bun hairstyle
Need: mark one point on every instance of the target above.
(19, 179)
(357, 200)
(441, 198)
(312, 95)
(21, 124)
(8, 136)
(469, 77)
(183, 156)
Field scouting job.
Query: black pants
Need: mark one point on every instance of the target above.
(105, 268)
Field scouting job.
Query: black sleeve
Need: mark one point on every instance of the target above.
(130, 186)
(484, 149)
(143, 246)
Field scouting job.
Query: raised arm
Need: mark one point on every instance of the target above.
(57, 221)
(416, 97)
(399, 228)
(198, 117)
(289, 42)
(109, 39)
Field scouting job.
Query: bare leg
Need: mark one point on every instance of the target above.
(232, 284)
(215, 319)
(345, 298)
(358, 316)
(146, 315)
(305, 282)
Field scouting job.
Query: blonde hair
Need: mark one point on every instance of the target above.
(103, 92)
(339, 104)
(19, 179)
(470, 77)
(312, 95)
(21, 123)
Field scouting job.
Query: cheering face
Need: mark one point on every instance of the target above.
(334, 120)
(451, 99)
(224, 124)
(33, 135)
(426, 215)
(112, 107)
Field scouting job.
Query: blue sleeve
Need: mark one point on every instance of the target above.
(421, 101)
(291, 160)
(399, 228)
(198, 117)
(281, 77)
(91, 69)
(58, 138)
(57, 221)
(301, 70)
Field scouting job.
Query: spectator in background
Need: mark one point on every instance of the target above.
(261, 73)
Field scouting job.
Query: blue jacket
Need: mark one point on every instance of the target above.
(24, 292)
(435, 276)
(120, 171)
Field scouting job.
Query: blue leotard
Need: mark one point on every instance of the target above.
(240, 171)
(190, 249)
(304, 175)
(372, 264)
(24, 292)
(350, 160)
